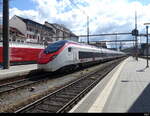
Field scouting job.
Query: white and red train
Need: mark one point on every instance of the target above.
(68, 54)
(22, 53)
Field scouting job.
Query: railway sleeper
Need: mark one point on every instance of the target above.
(53, 103)
(70, 90)
(78, 90)
(59, 100)
(56, 105)
(89, 80)
(73, 91)
(69, 94)
(86, 82)
(38, 111)
(47, 108)
(77, 86)
(65, 96)
(96, 75)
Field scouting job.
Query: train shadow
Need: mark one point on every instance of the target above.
(35, 75)
(142, 103)
(40, 74)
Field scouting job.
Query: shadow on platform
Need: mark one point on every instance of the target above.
(142, 103)
(141, 70)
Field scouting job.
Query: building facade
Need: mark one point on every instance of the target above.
(14, 34)
(33, 31)
(41, 33)
(61, 32)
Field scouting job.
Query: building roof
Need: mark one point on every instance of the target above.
(54, 25)
(34, 23)
(60, 26)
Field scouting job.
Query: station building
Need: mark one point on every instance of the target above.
(61, 32)
(14, 34)
(41, 33)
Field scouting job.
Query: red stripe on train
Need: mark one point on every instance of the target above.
(46, 58)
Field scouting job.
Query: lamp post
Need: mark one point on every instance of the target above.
(116, 43)
(136, 34)
(88, 29)
(147, 43)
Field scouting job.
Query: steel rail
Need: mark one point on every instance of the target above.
(51, 94)
(54, 94)
(19, 84)
(79, 96)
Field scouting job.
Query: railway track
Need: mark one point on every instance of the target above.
(28, 80)
(64, 99)
(11, 86)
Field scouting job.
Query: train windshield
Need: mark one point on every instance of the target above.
(55, 46)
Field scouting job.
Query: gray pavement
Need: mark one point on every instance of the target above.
(125, 89)
(131, 92)
(17, 70)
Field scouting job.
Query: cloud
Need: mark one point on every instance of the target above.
(30, 14)
(105, 16)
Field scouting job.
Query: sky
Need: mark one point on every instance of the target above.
(105, 16)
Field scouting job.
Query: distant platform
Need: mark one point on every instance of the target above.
(125, 89)
(17, 70)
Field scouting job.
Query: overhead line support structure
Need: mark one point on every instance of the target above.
(6, 34)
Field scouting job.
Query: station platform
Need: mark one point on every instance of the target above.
(125, 89)
(17, 70)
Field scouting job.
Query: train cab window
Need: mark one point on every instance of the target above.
(69, 49)
(55, 46)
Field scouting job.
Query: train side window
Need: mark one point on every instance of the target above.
(69, 49)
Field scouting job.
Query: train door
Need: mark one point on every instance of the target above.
(75, 57)
(70, 54)
(101, 57)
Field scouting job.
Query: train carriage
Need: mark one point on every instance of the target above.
(71, 54)
(22, 53)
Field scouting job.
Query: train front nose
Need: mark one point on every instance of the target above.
(44, 58)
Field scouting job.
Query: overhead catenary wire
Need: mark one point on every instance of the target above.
(71, 1)
(86, 16)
